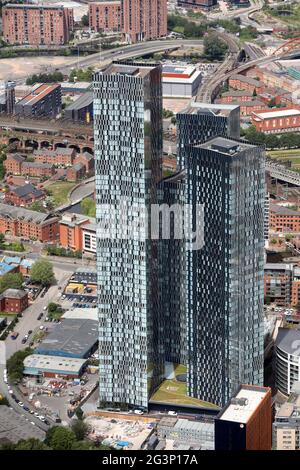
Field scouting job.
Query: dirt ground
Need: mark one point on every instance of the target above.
(21, 67)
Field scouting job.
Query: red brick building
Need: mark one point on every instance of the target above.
(87, 160)
(105, 16)
(59, 157)
(37, 24)
(235, 95)
(76, 172)
(277, 121)
(143, 20)
(13, 300)
(13, 163)
(23, 195)
(20, 222)
(70, 231)
(283, 219)
(246, 107)
(241, 82)
(37, 169)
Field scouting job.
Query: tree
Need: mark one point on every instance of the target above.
(42, 273)
(31, 444)
(80, 429)
(88, 207)
(2, 241)
(214, 48)
(79, 413)
(85, 20)
(11, 281)
(15, 364)
(60, 438)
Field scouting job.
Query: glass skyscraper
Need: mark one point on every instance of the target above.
(128, 153)
(224, 279)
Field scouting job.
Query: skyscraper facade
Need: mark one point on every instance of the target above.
(224, 279)
(128, 153)
(143, 20)
(202, 121)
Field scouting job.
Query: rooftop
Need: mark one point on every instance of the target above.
(16, 157)
(82, 314)
(244, 403)
(206, 108)
(36, 165)
(278, 267)
(283, 210)
(5, 268)
(277, 114)
(23, 191)
(14, 293)
(39, 93)
(133, 69)
(19, 213)
(14, 427)
(288, 340)
(81, 102)
(72, 337)
(57, 363)
(249, 80)
(224, 146)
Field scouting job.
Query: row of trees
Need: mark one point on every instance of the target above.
(45, 78)
(283, 141)
(53, 250)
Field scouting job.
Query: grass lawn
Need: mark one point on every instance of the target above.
(292, 155)
(174, 392)
(59, 191)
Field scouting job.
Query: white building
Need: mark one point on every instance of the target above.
(180, 81)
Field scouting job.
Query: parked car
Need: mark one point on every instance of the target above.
(24, 340)
(40, 316)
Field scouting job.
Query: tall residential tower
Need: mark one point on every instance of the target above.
(128, 153)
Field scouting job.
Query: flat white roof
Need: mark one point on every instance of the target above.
(242, 413)
(278, 114)
(82, 313)
(57, 363)
(189, 80)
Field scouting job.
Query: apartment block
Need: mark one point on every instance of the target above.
(43, 101)
(20, 222)
(60, 157)
(37, 170)
(128, 156)
(76, 172)
(13, 163)
(143, 20)
(287, 359)
(70, 231)
(24, 195)
(278, 283)
(37, 25)
(283, 219)
(105, 16)
(241, 82)
(286, 426)
(245, 423)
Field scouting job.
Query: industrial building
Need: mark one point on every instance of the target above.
(44, 100)
(245, 423)
(180, 81)
(53, 366)
(277, 121)
(187, 433)
(81, 110)
(72, 338)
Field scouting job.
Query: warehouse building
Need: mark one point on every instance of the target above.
(72, 338)
(81, 110)
(180, 81)
(53, 366)
(14, 427)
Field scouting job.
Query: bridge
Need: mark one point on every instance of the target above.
(38, 134)
(283, 174)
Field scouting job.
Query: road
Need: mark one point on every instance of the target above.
(82, 191)
(128, 52)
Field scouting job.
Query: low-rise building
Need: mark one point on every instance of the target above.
(44, 100)
(76, 172)
(72, 338)
(70, 230)
(242, 82)
(14, 427)
(24, 196)
(283, 219)
(235, 95)
(81, 110)
(180, 81)
(195, 434)
(59, 157)
(13, 300)
(13, 163)
(277, 121)
(37, 169)
(53, 366)
(20, 222)
(88, 161)
(278, 283)
(286, 426)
